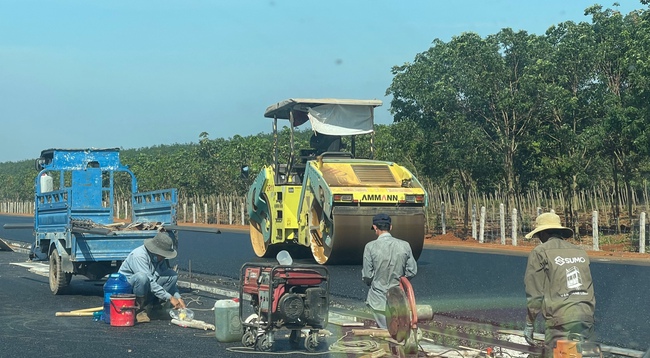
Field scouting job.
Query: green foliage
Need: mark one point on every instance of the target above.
(17, 180)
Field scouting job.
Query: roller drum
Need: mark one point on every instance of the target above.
(352, 230)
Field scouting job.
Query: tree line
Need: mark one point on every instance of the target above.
(512, 112)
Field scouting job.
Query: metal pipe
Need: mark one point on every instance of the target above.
(192, 228)
(18, 226)
(275, 148)
(94, 231)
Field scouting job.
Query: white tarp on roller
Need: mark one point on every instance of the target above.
(343, 120)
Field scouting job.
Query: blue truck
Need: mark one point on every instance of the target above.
(74, 224)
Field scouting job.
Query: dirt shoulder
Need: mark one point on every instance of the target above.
(524, 246)
(617, 251)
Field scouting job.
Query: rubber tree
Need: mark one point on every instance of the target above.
(432, 93)
(623, 120)
(469, 84)
(563, 143)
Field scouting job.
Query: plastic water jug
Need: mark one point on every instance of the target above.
(116, 284)
(284, 258)
(228, 327)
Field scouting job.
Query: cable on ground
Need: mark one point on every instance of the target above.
(354, 347)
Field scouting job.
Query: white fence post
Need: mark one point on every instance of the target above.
(594, 224)
(442, 217)
(218, 212)
(243, 221)
(230, 213)
(482, 226)
(184, 212)
(514, 227)
(474, 230)
(502, 223)
(193, 213)
(205, 213)
(642, 233)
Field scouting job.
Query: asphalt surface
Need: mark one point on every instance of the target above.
(469, 285)
(29, 327)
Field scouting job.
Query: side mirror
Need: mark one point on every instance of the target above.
(38, 164)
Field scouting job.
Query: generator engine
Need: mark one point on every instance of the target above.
(293, 297)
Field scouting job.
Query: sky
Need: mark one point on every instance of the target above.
(135, 74)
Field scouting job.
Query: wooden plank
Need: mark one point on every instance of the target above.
(371, 332)
(4, 246)
(343, 321)
(73, 314)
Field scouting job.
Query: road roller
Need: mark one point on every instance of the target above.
(320, 200)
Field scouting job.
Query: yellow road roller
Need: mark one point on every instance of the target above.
(322, 199)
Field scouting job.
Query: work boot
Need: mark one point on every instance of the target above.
(141, 315)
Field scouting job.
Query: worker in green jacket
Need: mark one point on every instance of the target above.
(558, 284)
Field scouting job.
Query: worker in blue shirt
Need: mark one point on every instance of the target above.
(153, 281)
(385, 260)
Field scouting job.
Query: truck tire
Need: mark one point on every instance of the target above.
(59, 280)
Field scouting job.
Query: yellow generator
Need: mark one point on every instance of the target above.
(323, 198)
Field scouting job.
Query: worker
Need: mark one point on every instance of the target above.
(385, 260)
(558, 284)
(325, 143)
(153, 281)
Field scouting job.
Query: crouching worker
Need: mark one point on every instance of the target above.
(153, 281)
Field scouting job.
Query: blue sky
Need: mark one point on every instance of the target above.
(133, 74)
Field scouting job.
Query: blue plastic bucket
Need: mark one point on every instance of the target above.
(116, 284)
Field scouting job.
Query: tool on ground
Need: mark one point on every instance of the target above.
(403, 315)
(79, 313)
(292, 297)
(193, 323)
(576, 346)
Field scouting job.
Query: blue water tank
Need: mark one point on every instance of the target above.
(115, 284)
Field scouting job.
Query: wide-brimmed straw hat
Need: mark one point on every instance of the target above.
(161, 244)
(548, 221)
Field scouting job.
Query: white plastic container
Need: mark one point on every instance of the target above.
(284, 258)
(47, 183)
(227, 325)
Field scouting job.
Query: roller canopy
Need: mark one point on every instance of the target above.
(343, 117)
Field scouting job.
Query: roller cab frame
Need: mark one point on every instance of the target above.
(321, 199)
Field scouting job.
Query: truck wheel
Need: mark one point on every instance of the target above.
(59, 280)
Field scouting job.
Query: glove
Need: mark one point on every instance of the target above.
(528, 334)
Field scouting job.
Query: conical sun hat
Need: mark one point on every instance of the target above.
(161, 244)
(547, 221)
